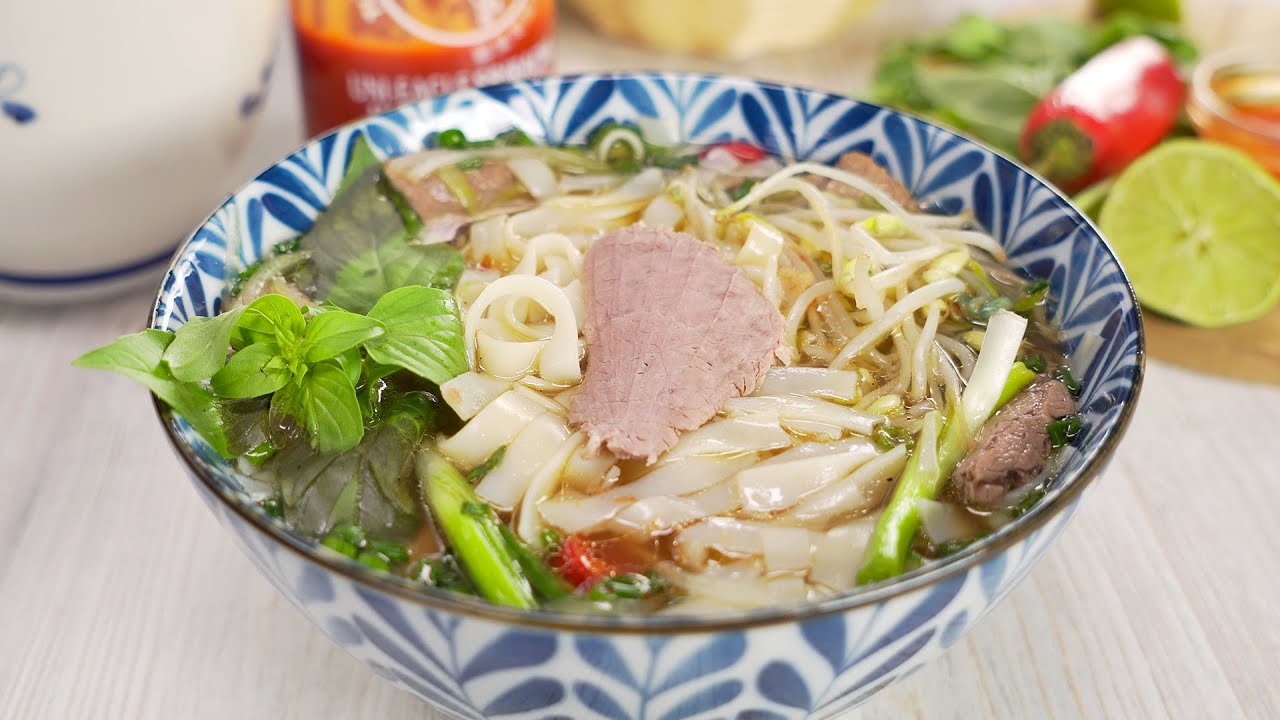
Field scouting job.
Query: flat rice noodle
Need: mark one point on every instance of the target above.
(679, 477)
(529, 523)
(735, 586)
(588, 472)
(799, 407)
(864, 489)
(663, 513)
(505, 485)
(841, 385)
(836, 553)
(786, 549)
(730, 536)
(815, 431)
(494, 426)
(786, 589)
(732, 436)
(468, 393)
(780, 482)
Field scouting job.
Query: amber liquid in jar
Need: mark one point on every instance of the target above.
(1239, 105)
(358, 57)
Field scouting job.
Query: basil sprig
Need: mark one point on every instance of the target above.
(309, 363)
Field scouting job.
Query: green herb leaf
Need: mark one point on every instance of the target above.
(139, 357)
(334, 332)
(1034, 363)
(359, 162)
(252, 372)
(199, 348)
(378, 472)
(424, 333)
(478, 472)
(270, 318)
(391, 266)
(360, 220)
(327, 409)
(1062, 431)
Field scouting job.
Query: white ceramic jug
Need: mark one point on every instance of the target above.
(122, 124)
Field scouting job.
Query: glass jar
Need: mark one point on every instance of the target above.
(358, 57)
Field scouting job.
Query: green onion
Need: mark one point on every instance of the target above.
(285, 247)
(1020, 376)
(1062, 431)
(350, 533)
(631, 586)
(951, 548)
(1064, 376)
(396, 553)
(261, 454)
(740, 190)
(1027, 502)
(474, 537)
(887, 437)
(471, 163)
(459, 185)
(514, 137)
(1034, 363)
(273, 507)
(475, 508)
(452, 138)
(375, 560)
(550, 540)
(478, 472)
(340, 546)
(546, 583)
(1032, 296)
(982, 278)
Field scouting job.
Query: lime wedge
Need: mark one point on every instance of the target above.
(1197, 227)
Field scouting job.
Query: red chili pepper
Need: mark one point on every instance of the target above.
(1101, 118)
(581, 561)
(743, 151)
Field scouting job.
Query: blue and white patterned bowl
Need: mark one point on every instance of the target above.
(813, 660)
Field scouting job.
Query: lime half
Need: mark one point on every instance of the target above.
(1197, 227)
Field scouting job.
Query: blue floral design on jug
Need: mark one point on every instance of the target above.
(821, 660)
(12, 79)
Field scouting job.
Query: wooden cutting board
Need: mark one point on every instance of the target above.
(1248, 352)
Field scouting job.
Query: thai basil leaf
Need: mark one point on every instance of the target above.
(334, 332)
(393, 265)
(270, 318)
(139, 357)
(199, 348)
(326, 407)
(424, 333)
(361, 219)
(361, 160)
(318, 488)
(252, 372)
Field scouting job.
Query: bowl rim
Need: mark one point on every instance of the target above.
(1054, 503)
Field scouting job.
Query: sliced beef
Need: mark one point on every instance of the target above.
(492, 184)
(866, 166)
(673, 331)
(1011, 449)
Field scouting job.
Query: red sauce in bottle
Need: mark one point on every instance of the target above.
(358, 57)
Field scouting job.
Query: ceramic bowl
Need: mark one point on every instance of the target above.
(812, 660)
(121, 124)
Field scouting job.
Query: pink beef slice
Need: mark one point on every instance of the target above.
(672, 331)
(1012, 447)
(430, 197)
(867, 167)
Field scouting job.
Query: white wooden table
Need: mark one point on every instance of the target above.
(120, 596)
